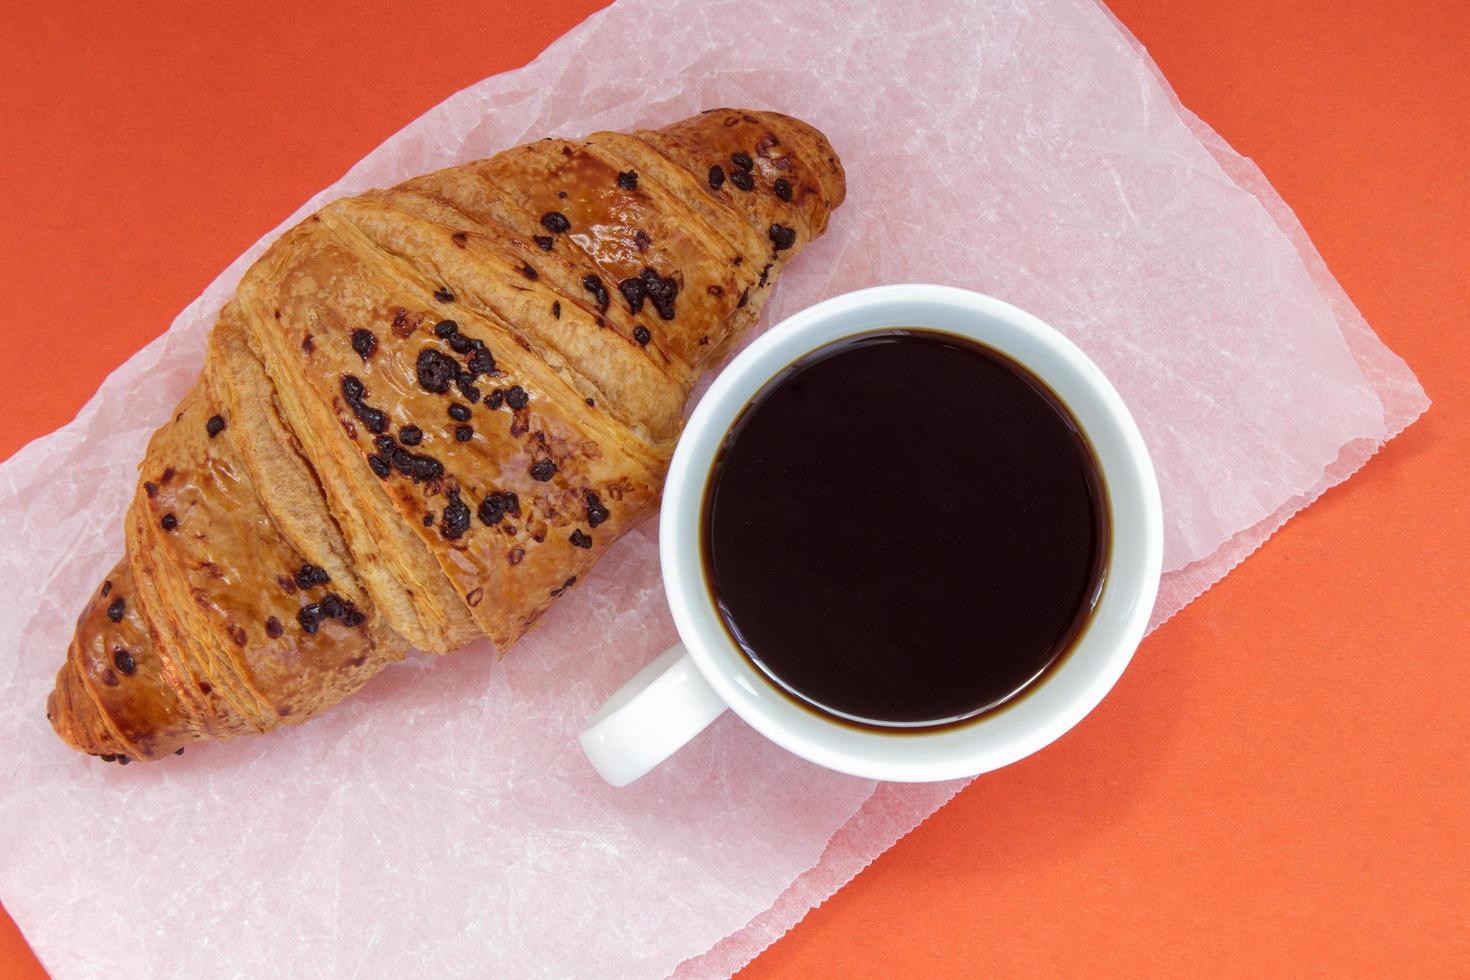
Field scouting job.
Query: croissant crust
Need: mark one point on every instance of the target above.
(425, 414)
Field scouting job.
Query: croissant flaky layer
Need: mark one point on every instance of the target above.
(426, 413)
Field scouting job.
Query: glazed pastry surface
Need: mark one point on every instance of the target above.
(425, 415)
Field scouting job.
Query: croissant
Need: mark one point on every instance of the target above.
(425, 414)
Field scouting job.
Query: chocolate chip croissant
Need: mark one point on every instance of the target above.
(425, 414)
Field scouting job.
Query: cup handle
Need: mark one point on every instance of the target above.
(650, 717)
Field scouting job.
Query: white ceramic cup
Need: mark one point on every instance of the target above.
(676, 696)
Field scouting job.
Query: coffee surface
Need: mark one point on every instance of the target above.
(905, 529)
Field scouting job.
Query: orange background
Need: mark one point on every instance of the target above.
(1281, 782)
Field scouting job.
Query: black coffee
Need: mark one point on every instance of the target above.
(905, 529)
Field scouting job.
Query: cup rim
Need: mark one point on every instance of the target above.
(996, 738)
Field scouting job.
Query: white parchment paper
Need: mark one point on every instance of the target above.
(444, 822)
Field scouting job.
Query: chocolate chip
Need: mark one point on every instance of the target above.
(529, 273)
(782, 237)
(564, 586)
(591, 403)
(310, 617)
(416, 466)
(660, 290)
(716, 177)
(379, 465)
(744, 298)
(782, 187)
(459, 238)
(205, 687)
(742, 179)
(463, 433)
(596, 512)
(517, 398)
(443, 295)
(481, 361)
(123, 760)
(364, 343)
(456, 519)
(410, 435)
(543, 470)
(308, 345)
(580, 539)
(238, 635)
(466, 385)
(496, 398)
(332, 606)
(633, 291)
(494, 507)
(764, 273)
(628, 180)
(446, 328)
(179, 750)
(515, 555)
(273, 627)
(106, 588)
(458, 412)
(353, 393)
(545, 242)
(599, 292)
(150, 489)
(460, 344)
(556, 310)
(169, 522)
(116, 610)
(309, 575)
(436, 371)
(742, 160)
(555, 222)
(641, 334)
(215, 425)
(641, 241)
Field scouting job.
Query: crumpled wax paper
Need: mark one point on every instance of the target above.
(444, 822)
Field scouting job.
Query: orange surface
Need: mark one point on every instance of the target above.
(1281, 782)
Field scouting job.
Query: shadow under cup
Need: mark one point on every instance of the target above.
(905, 530)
